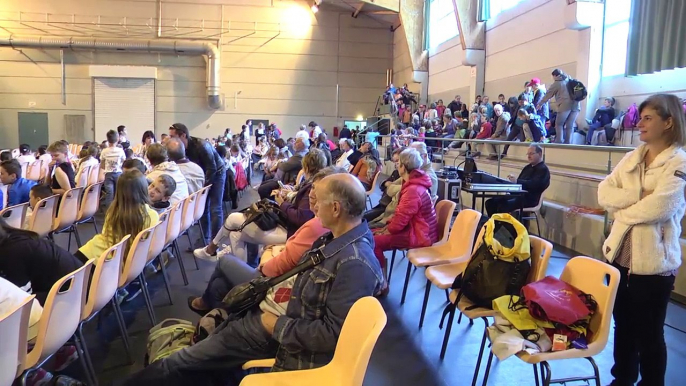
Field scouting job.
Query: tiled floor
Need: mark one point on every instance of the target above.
(404, 355)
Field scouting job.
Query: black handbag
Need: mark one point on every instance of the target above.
(266, 214)
(245, 296)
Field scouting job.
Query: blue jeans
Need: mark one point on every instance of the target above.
(591, 129)
(213, 218)
(108, 189)
(564, 126)
(229, 272)
(212, 360)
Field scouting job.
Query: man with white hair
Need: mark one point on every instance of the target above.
(421, 148)
(502, 128)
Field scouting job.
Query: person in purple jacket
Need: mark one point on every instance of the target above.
(17, 187)
(294, 203)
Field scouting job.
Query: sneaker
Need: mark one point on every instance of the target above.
(38, 378)
(121, 295)
(150, 269)
(164, 259)
(64, 357)
(134, 289)
(201, 253)
(225, 251)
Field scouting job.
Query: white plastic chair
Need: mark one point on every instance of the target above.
(200, 204)
(15, 215)
(82, 177)
(34, 171)
(14, 328)
(90, 202)
(157, 246)
(188, 217)
(173, 231)
(65, 220)
(134, 264)
(371, 190)
(94, 175)
(24, 169)
(43, 216)
(60, 320)
(532, 214)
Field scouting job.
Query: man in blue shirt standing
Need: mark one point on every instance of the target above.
(17, 187)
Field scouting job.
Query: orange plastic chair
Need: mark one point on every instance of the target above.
(60, 319)
(43, 216)
(14, 329)
(103, 287)
(68, 213)
(592, 277)
(15, 215)
(359, 334)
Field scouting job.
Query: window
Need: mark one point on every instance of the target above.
(494, 7)
(616, 36)
(442, 22)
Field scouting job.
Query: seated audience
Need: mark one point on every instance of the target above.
(304, 332)
(43, 154)
(17, 187)
(387, 196)
(603, 117)
(195, 176)
(295, 214)
(25, 154)
(133, 164)
(62, 176)
(534, 178)
(5, 155)
(270, 163)
(158, 158)
(516, 122)
(147, 140)
(348, 147)
(231, 271)
(161, 190)
(501, 128)
(368, 165)
(315, 130)
(31, 263)
(88, 157)
(413, 224)
(128, 215)
(260, 150)
(426, 165)
(532, 126)
(38, 192)
(287, 171)
(539, 92)
(485, 133)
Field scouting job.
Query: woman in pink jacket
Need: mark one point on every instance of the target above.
(413, 224)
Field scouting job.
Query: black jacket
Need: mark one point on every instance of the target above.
(454, 107)
(345, 133)
(354, 157)
(289, 169)
(535, 180)
(202, 153)
(544, 112)
(40, 262)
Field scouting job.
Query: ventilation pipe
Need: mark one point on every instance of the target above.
(178, 47)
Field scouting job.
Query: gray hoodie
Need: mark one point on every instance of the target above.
(558, 89)
(501, 128)
(172, 169)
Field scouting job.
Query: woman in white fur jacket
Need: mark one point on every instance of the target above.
(645, 195)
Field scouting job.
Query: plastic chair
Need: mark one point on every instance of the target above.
(68, 213)
(34, 171)
(94, 175)
(200, 205)
(533, 214)
(592, 277)
(90, 202)
(457, 248)
(187, 219)
(15, 215)
(43, 216)
(24, 169)
(14, 329)
(15, 153)
(134, 263)
(82, 177)
(60, 320)
(371, 190)
(359, 334)
(157, 246)
(444, 213)
(173, 231)
(102, 289)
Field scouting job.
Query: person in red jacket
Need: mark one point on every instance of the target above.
(413, 224)
(485, 133)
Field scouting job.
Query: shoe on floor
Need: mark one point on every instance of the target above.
(65, 356)
(121, 295)
(38, 378)
(201, 253)
(134, 289)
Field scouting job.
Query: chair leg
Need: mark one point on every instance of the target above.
(425, 303)
(148, 300)
(69, 240)
(407, 281)
(538, 225)
(122, 328)
(390, 268)
(89, 362)
(545, 369)
(82, 359)
(190, 242)
(536, 375)
(77, 236)
(95, 225)
(165, 277)
(481, 353)
(175, 247)
(488, 368)
(202, 232)
(447, 330)
(596, 373)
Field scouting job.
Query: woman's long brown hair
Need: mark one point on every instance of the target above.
(128, 214)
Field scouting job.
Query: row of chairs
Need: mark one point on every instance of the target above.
(448, 258)
(67, 307)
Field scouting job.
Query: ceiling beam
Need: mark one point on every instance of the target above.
(358, 10)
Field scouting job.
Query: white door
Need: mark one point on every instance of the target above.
(124, 101)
